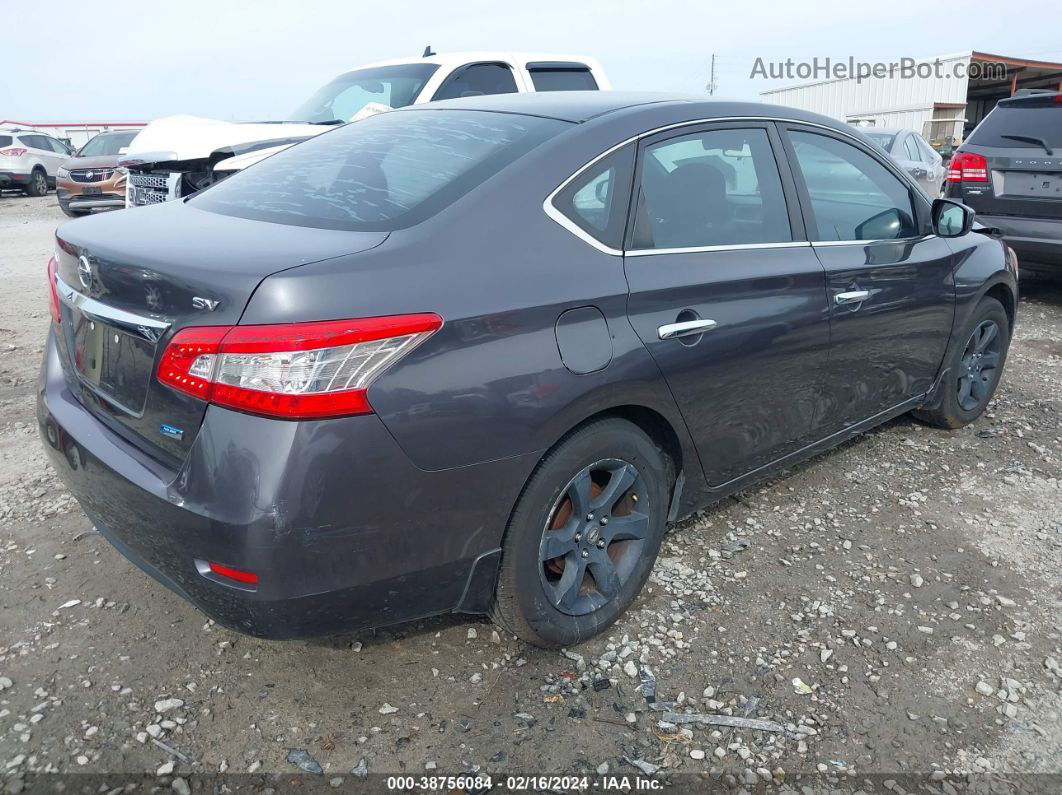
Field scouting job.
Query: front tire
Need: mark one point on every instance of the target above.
(974, 368)
(38, 184)
(584, 535)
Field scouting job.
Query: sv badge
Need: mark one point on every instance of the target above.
(209, 304)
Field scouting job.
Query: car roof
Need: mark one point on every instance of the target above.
(473, 56)
(581, 106)
(886, 130)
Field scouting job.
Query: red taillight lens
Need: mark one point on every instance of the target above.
(53, 294)
(967, 167)
(294, 371)
(246, 577)
(13, 151)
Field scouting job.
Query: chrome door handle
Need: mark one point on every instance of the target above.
(687, 328)
(852, 297)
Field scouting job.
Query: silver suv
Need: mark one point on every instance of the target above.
(29, 160)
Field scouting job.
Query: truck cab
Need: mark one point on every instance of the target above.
(178, 155)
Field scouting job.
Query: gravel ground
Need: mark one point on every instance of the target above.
(894, 605)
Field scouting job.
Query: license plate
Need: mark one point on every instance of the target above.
(91, 191)
(112, 362)
(1038, 186)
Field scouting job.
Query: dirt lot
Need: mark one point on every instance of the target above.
(895, 605)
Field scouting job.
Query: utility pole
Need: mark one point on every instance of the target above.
(711, 78)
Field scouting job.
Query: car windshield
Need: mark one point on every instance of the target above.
(107, 144)
(1043, 122)
(347, 95)
(385, 172)
(882, 139)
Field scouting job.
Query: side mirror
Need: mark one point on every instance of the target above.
(951, 219)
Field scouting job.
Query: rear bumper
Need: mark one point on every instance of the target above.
(1037, 241)
(342, 530)
(13, 179)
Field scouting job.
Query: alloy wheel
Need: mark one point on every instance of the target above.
(594, 537)
(979, 365)
(40, 183)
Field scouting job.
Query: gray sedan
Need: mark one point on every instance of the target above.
(913, 153)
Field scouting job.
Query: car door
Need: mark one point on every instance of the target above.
(726, 293)
(39, 151)
(890, 282)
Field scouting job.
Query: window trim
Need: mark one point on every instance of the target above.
(780, 123)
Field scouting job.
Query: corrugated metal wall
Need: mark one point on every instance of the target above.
(889, 102)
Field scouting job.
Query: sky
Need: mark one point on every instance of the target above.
(137, 60)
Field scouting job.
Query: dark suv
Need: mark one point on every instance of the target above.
(1010, 171)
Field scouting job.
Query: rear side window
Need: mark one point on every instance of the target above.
(853, 196)
(596, 201)
(478, 79)
(1044, 122)
(911, 146)
(386, 172)
(5, 140)
(712, 188)
(562, 77)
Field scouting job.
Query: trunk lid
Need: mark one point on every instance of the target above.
(128, 281)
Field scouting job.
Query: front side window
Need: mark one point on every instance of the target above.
(564, 77)
(596, 201)
(852, 195)
(711, 189)
(476, 80)
(385, 172)
(384, 86)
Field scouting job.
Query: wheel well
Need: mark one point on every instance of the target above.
(1005, 297)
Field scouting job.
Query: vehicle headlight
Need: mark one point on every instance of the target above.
(62, 172)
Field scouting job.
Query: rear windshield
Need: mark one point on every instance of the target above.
(1032, 122)
(884, 140)
(5, 140)
(386, 172)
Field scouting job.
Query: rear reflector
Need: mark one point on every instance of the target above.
(53, 294)
(246, 577)
(293, 371)
(967, 167)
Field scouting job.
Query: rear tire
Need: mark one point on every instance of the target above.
(597, 506)
(38, 184)
(974, 368)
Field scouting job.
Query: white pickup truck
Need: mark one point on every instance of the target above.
(178, 155)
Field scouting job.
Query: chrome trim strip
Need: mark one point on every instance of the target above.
(564, 221)
(148, 327)
(871, 242)
(645, 252)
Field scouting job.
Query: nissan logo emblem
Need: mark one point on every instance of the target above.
(84, 271)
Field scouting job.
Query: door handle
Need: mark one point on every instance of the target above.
(685, 329)
(851, 297)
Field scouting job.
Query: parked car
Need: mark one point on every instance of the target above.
(1009, 170)
(179, 155)
(91, 179)
(473, 355)
(29, 160)
(913, 153)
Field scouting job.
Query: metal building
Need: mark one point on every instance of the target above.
(943, 98)
(75, 133)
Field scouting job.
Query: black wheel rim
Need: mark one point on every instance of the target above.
(594, 537)
(42, 183)
(980, 365)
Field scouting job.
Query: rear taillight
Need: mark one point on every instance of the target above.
(14, 151)
(53, 293)
(967, 167)
(293, 371)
